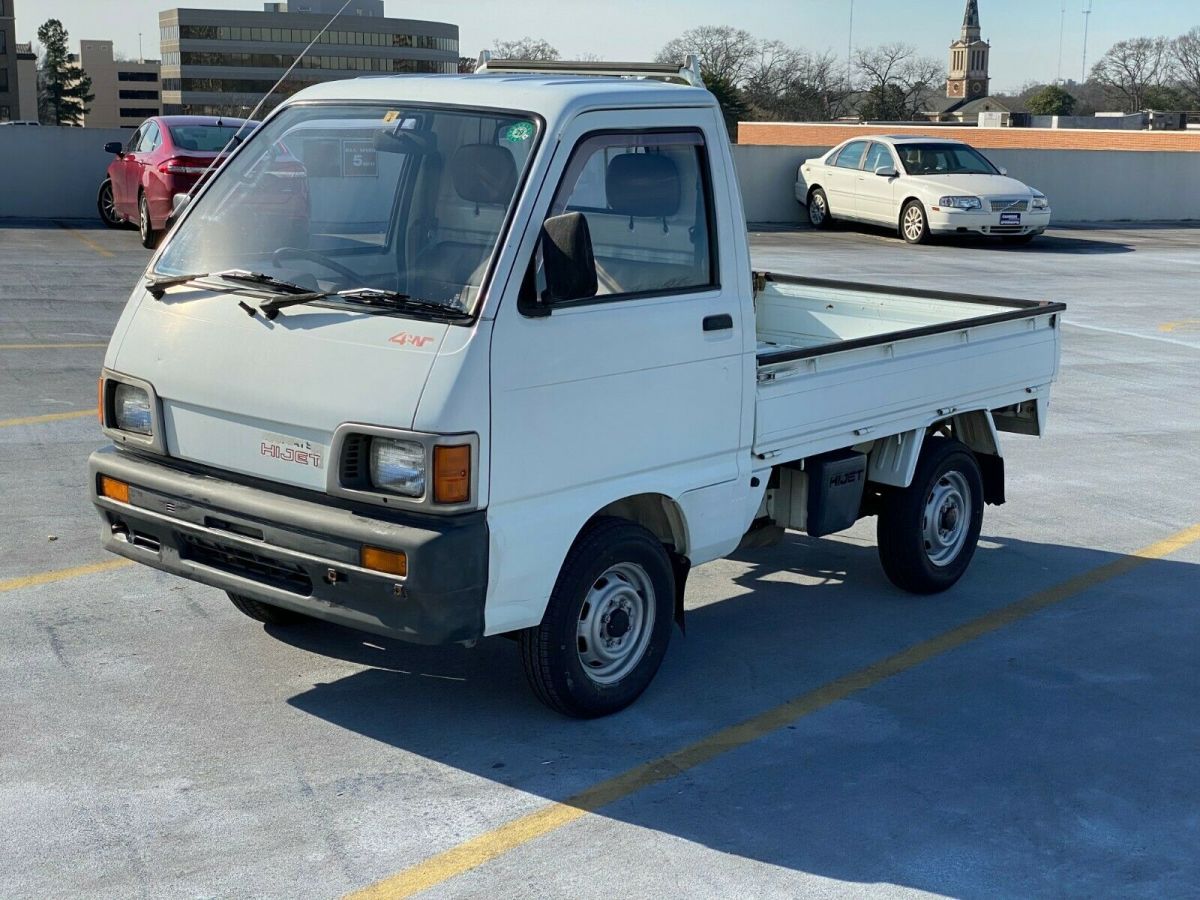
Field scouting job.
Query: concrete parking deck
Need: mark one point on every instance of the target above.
(1031, 733)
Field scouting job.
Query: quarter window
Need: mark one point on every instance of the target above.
(647, 201)
(851, 155)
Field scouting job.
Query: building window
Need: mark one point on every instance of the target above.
(134, 112)
(138, 95)
(3, 43)
(137, 76)
(3, 79)
(5, 112)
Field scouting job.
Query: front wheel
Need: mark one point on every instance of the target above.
(607, 625)
(264, 612)
(818, 209)
(914, 224)
(107, 207)
(927, 532)
(145, 225)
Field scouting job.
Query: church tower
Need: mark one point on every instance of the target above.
(969, 59)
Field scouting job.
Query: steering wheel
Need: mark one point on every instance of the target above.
(285, 253)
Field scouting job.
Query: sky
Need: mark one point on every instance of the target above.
(1024, 33)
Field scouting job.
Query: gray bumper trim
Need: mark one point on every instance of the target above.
(281, 550)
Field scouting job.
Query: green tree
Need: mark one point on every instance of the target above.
(733, 105)
(1051, 100)
(64, 89)
(1167, 98)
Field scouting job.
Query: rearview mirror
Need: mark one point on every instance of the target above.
(885, 171)
(567, 261)
(114, 147)
(413, 143)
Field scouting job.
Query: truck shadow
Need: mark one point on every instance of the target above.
(1047, 757)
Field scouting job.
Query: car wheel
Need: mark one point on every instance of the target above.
(145, 226)
(607, 625)
(914, 224)
(107, 207)
(818, 209)
(265, 612)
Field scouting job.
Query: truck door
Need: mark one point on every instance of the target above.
(639, 389)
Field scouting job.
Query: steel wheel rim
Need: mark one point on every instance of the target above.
(816, 209)
(616, 623)
(107, 206)
(914, 223)
(946, 518)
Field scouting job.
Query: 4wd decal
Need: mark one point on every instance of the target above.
(292, 450)
(404, 339)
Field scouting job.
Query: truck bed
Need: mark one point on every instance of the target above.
(842, 364)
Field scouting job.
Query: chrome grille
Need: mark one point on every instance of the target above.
(1010, 205)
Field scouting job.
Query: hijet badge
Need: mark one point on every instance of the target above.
(292, 450)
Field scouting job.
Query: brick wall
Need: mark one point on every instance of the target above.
(803, 134)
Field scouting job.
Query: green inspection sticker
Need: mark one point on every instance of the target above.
(519, 132)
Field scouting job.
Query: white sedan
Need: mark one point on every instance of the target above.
(920, 186)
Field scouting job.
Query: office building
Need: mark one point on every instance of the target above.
(27, 94)
(222, 62)
(10, 97)
(127, 92)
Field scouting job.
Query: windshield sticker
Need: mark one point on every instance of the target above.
(519, 132)
(292, 450)
(391, 116)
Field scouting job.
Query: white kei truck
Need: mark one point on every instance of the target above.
(442, 357)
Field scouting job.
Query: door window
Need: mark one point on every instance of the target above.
(150, 138)
(647, 201)
(136, 139)
(879, 155)
(851, 155)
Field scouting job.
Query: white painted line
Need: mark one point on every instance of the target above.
(1133, 334)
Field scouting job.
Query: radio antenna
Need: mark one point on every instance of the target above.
(237, 135)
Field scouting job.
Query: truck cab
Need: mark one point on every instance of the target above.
(510, 377)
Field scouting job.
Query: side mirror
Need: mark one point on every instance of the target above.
(567, 261)
(1003, 171)
(115, 147)
(886, 171)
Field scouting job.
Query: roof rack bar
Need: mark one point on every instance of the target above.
(688, 73)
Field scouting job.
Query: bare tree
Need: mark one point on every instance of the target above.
(1185, 51)
(1130, 68)
(725, 52)
(524, 48)
(794, 85)
(897, 83)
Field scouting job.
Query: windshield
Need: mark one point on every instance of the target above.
(206, 138)
(339, 198)
(943, 159)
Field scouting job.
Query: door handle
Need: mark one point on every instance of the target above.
(722, 322)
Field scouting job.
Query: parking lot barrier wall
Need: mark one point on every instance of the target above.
(52, 172)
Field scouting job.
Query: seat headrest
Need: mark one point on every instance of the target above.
(643, 185)
(484, 173)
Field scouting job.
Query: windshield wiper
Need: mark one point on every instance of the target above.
(262, 280)
(156, 287)
(397, 300)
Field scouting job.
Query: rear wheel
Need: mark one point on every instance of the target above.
(914, 224)
(145, 225)
(107, 207)
(265, 612)
(607, 625)
(927, 532)
(818, 209)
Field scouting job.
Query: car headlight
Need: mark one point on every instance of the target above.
(131, 409)
(398, 466)
(961, 203)
(1039, 202)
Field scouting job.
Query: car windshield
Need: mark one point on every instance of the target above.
(206, 138)
(410, 201)
(943, 159)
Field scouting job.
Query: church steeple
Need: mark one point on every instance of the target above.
(971, 20)
(969, 59)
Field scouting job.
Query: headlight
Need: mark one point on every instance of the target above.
(131, 409)
(961, 203)
(1039, 202)
(398, 466)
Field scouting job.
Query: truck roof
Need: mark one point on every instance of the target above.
(550, 96)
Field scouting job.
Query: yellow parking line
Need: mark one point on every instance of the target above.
(51, 346)
(84, 239)
(25, 581)
(1182, 325)
(49, 417)
(492, 844)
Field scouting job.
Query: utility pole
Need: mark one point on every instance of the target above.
(1062, 28)
(1087, 18)
(850, 45)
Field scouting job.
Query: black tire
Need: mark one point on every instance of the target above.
(911, 560)
(145, 224)
(818, 209)
(265, 612)
(106, 207)
(555, 654)
(917, 230)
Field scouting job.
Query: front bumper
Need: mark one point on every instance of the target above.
(988, 223)
(297, 553)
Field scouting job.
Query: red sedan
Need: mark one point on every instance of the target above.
(166, 156)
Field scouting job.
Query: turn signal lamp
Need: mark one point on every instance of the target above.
(113, 489)
(452, 474)
(390, 562)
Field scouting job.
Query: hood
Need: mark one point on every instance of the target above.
(263, 398)
(975, 185)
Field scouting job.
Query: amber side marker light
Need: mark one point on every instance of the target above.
(452, 474)
(390, 562)
(113, 489)
(100, 400)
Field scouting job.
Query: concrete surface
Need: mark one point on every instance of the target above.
(1083, 185)
(158, 744)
